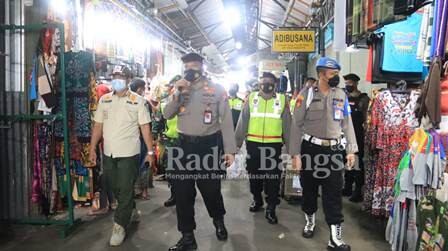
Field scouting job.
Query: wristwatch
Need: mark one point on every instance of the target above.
(151, 153)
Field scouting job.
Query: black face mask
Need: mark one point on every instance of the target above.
(349, 88)
(192, 75)
(267, 87)
(334, 81)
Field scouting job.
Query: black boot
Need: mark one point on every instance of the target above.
(255, 206)
(356, 196)
(186, 243)
(170, 202)
(221, 231)
(336, 243)
(270, 215)
(348, 189)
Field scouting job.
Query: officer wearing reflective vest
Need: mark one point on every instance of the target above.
(321, 114)
(264, 124)
(235, 103)
(170, 137)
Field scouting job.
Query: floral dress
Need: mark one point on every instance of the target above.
(391, 122)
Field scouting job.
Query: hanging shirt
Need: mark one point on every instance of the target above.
(400, 45)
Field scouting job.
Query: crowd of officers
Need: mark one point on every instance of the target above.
(200, 118)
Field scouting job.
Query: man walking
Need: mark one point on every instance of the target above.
(118, 118)
(264, 124)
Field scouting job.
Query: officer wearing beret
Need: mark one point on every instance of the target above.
(320, 116)
(204, 125)
(359, 104)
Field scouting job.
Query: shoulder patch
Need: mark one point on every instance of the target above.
(299, 100)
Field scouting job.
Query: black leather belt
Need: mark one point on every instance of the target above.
(199, 139)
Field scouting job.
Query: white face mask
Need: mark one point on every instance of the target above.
(118, 84)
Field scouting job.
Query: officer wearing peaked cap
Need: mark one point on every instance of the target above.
(321, 114)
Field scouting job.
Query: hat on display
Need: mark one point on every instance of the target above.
(352, 77)
(328, 63)
(192, 57)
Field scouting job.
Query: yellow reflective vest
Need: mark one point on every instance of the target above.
(236, 104)
(265, 123)
(171, 126)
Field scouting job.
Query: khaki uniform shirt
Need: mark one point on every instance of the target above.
(318, 119)
(243, 123)
(121, 118)
(203, 97)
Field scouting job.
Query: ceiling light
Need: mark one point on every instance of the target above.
(238, 45)
(231, 16)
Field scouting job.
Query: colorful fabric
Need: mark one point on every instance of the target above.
(391, 122)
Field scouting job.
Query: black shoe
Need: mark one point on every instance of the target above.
(186, 243)
(255, 206)
(170, 202)
(221, 231)
(270, 215)
(347, 191)
(356, 197)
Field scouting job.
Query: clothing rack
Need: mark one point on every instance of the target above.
(69, 223)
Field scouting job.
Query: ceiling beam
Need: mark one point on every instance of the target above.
(223, 41)
(296, 19)
(197, 5)
(167, 8)
(268, 24)
(264, 40)
(191, 1)
(279, 4)
(300, 11)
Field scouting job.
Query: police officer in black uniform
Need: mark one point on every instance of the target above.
(359, 103)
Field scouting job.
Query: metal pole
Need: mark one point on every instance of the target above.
(71, 217)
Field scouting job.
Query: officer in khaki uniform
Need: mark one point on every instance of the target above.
(264, 124)
(204, 125)
(321, 114)
(119, 117)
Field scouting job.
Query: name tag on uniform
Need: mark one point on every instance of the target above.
(207, 117)
(338, 106)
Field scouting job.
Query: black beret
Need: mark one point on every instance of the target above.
(268, 75)
(352, 76)
(192, 57)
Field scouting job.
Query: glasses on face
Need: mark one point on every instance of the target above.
(267, 83)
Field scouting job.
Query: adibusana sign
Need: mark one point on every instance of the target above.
(293, 40)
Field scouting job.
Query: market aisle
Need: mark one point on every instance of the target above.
(157, 230)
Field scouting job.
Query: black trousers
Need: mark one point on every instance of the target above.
(356, 175)
(322, 166)
(264, 173)
(184, 181)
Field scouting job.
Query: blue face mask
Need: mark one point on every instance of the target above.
(118, 84)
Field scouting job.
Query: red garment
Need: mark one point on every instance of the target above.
(101, 90)
(369, 65)
(392, 121)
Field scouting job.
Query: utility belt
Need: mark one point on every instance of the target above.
(216, 137)
(321, 142)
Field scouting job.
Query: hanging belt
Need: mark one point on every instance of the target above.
(321, 142)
